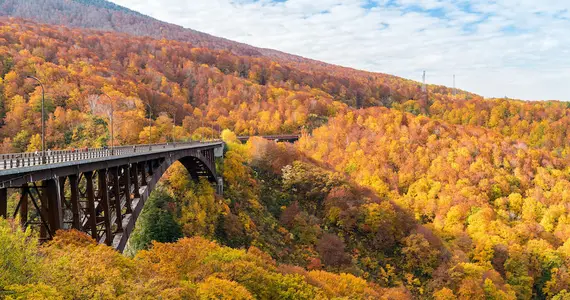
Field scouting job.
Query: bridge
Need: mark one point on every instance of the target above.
(97, 191)
(291, 138)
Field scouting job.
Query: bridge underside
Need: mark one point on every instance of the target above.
(102, 199)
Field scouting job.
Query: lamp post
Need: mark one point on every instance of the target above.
(202, 133)
(173, 125)
(149, 123)
(43, 120)
(111, 117)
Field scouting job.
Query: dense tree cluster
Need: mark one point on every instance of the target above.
(391, 192)
(73, 266)
(497, 205)
(193, 92)
(188, 92)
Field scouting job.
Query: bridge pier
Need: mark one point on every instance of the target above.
(45, 232)
(220, 186)
(24, 205)
(4, 203)
(74, 200)
(143, 174)
(135, 179)
(117, 199)
(51, 195)
(92, 215)
(103, 193)
(126, 176)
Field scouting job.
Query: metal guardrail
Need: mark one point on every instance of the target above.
(30, 159)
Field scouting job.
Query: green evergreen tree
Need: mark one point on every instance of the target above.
(156, 222)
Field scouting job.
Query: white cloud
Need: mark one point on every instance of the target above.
(515, 48)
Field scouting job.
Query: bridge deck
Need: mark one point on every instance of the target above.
(30, 162)
(283, 137)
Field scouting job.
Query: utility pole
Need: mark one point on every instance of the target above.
(173, 126)
(149, 122)
(454, 89)
(424, 88)
(43, 120)
(111, 117)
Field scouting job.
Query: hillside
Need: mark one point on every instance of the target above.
(105, 15)
(194, 90)
(498, 206)
(390, 193)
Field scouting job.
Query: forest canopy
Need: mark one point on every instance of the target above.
(391, 192)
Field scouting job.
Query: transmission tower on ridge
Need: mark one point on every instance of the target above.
(424, 89)
(454, 89)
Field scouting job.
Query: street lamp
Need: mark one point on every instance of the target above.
(202, 133)
(43, 119)
(112, 127)
(149, 122)
(174, 126)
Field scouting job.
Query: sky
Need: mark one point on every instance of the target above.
(514, 48)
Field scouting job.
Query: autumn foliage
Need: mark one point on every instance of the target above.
(390, 192)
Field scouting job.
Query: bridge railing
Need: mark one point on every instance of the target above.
(284, 137)
(30, 159)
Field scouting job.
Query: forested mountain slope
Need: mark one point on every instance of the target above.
(418, 194)
(105, 15)
(499, 206)
(192, 90)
